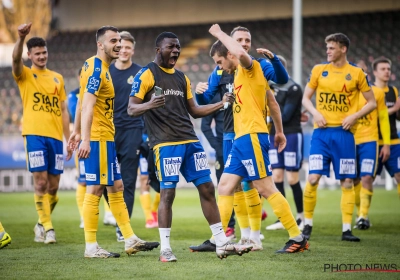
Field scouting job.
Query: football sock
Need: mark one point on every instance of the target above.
(43, 209)
(145, 201)
(1, 228)
(120, 212)
(398, 189)
(80, 196)
(365, 202)
(240, 207)
(90, 211)
(347, 205)
(156, 202)
(225, 206)
(254, 209)
(298, 196)
(164, 238)
(310, 200)
(219, 234)
(281, 208)
(53, 200)
(280, 187)
(357, 189)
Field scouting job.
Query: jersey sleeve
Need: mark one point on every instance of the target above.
(22, 76)
(213, 87)
(91, 77)
(313, 80)
(274, 70)
(142, 83)
(189, 93)
(363, 84)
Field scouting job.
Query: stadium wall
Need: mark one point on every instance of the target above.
(91, 14)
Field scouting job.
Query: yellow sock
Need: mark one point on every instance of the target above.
(398, 189)
(90, 211)
(106, 206)
(118, 208)
(365, 197)
(53, 200)
(240, 206)
(262, 199)
(357, 189)
(1, 228)
(347, 204)
(253, 209)
(225, 206)
(145, 201)
(281, 208)
(43, 210)
(156, 202)
(80, 196)
(310, 200)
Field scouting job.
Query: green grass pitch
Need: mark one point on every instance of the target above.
(25, 259)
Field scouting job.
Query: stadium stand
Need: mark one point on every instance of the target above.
(371, 34)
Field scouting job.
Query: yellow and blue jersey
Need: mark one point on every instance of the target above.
(96, 79)
(249, 109)
(42, 92)
(338, 91)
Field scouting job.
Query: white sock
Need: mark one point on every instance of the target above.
(300, 216)
(91, 247)
(2, 234)
(298, 238)
(164, 237)
(245, 233)
(346, 227)
(219, 234)
(308, 222)
(255, 236)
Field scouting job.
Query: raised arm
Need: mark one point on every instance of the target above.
(273, 70)
(17, 65)
(233, 47)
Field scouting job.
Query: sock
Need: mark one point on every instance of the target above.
(255, 236)
(1, 228)
(219, 234)
(90, 211)
(308, 222)
(91, 247)
(281, 208)
(245, 233)
(120, 212)
(347, 205)
(280, 187)
(310, 200)
(106, 207)
(225, 206)
(357, 189)
(53, 200)
(145, 201)
(80, 196)
(164, 238)
(298, 196)
(346, 227)
(156, 202)
(240, 207)
(262, 199)
(398, 189)
(253, 209)
(43, 210)
(365, 202)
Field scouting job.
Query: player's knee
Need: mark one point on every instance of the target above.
(356, 181)
(347, 183)
(366, 180)
(313, 179)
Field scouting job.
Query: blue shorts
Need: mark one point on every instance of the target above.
(249, 157)
(143, 166)
(102, 168)
(392, 165)
(189, 158)
(336, 145)
(291, 157)
(367, 159)
(80, 166)
(227, 148)
(44, 154)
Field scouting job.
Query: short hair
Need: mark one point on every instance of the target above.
(282, 59)
(164, 35)
(381, 59)
(35, 42)
(125, 35)
(219, 49)
(239, 28)
(339, 38)
(102, 30)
